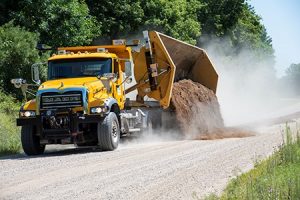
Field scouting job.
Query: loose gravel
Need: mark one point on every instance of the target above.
(187, 169)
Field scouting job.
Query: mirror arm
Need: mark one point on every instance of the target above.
(30, 92)
(21, 84)
(25, 89)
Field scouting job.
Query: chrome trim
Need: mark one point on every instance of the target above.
(73, 102)
(84, 91)
(64, 106)
(65, 95)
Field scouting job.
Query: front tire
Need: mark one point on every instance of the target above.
(109, 132)
(31, 142)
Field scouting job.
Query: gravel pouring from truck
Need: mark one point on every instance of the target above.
(84, 99)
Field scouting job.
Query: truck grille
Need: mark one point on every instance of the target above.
(55, 100)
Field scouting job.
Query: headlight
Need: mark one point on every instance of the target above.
(98, 110)
(27, 113)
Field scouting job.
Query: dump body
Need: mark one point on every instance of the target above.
(176, 60)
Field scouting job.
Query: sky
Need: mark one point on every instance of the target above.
(282, 21)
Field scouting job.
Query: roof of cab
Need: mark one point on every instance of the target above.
(111, 51)
(82, 55)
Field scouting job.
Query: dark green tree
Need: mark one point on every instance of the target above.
(17, 54)
(177, 18)
(219, 17)
(118, 17)
(7, 8)
(59, 22)
(250, 33)
(235, 27)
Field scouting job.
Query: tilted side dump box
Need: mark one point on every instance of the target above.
(176, 60)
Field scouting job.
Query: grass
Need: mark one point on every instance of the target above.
(9, 132)
(277, 177)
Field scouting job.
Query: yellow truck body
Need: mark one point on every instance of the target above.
(84, 99)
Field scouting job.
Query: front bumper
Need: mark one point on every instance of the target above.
(79, 119)
(73, 128)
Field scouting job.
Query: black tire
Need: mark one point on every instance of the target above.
(109, 132)
(30, 142)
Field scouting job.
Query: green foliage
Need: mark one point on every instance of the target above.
(234, 25)
(7, 7)
(9, 135)
(9, 132)
(8, 104)
(78, 22)
(17, 54)
(176, 18)
(184, 20)
(117, 17)
(59, 22)
(275, 178)
(249, 33)
(219, 17)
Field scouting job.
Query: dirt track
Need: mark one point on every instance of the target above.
(163, 170)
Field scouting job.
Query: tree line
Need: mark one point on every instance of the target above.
(78, 22)
(23, 23)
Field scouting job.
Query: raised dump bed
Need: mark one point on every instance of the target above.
(186, 82)
(176, 60)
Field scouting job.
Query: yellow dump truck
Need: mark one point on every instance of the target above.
(84, 100)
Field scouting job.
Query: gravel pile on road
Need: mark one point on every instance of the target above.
(198, 112)
(225, 132)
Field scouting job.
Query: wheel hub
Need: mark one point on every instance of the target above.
(114, 131)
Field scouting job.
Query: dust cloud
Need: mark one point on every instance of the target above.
(151, 137)
(248, 89)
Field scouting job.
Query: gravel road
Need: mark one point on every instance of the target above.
(186, 169)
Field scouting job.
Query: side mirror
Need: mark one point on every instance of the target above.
(18, 82)
(21, 83)
(35, 73)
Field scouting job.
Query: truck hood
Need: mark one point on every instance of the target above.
(91, 83)
(96, 90)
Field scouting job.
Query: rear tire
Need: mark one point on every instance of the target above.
(31, 142)
(109, 132)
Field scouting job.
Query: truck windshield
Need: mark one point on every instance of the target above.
(72, 68)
